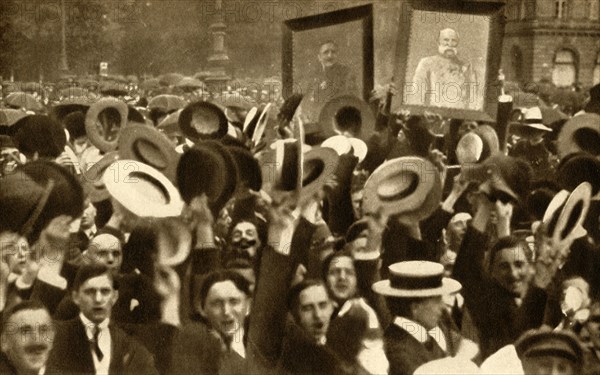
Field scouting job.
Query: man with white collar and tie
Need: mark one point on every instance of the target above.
(90, 344)
(414, 297)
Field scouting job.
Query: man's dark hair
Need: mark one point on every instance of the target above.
(331, 257)
(509, 242)
(328, 41)
(89, 271)
(401, 306)
(293, 296)
(349, 119)
(21, 306)
(223, 275)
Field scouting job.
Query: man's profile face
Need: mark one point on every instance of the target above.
(314, 311)
(96, 298)
(27, 340)
(226, 307)
(448, 43)
(328, 55)
(428, 312)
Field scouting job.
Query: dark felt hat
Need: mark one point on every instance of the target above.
(66, 197)
(248, 168)
(208, 168)
(545, 341)
(22, 201)
(41, 134)
(578, 168)
(203, 120)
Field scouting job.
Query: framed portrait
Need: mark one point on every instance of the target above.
(448, 57)
(328, 55)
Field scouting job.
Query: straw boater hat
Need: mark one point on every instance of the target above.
(477, 145)
(580, 133)
(92, 128)
(142, 190)
(410, 186)
(203, 120)
(416, 279)
(150, 146)
(342, 145)
(566, 214)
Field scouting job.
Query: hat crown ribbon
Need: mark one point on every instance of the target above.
(535, 120)
(416, 282)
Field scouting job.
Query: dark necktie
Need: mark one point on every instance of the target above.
(433, 348)
(96, 345)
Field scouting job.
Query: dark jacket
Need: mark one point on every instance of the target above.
(494, 311)
(71, 353)
(404, 352)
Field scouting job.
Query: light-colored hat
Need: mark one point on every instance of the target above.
(579, 134)
(342, 145)
(416, 279)
(532, 117)
(410, 186)
(448, 366)
(567, 212)
(141, 189)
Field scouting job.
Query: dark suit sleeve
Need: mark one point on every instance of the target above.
(49, 295)
(267, 323)
(431, 227)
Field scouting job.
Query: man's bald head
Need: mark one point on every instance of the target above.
(448, 42)
(105, 249)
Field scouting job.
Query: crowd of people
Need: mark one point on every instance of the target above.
(217, 235)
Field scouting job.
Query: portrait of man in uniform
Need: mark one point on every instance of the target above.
(446, 62)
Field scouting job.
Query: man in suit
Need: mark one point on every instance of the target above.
(90, 344)
(414, 296)
(330, 80)
(27, 338)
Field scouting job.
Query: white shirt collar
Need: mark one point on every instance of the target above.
(89, 325)
(420, 333)
(90, 232)
(237, 344)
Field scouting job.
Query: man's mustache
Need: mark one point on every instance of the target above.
(445, 49)
(244, 244)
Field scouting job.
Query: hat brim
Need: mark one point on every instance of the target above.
(428, 180)
(329, 159)
(185, 121)
(565, 143)
(125, 188)
(160, 152)
(449, 286)
(537, 126)
(331, 108)
(91, 118)
(92, 177)
(580, 196)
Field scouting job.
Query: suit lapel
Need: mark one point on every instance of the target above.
(81, 348)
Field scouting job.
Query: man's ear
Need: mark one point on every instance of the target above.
(200, 310)
(115, 297)
(75, 297)
(3, 342)
(248, 307)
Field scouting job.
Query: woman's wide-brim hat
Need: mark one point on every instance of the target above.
(580, 134)
(331, 108)
(142, 190)
(149, 146)
(416, 279)
(203, 121)
(410, 186)
(207, 168)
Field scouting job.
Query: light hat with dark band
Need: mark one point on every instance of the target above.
(416, 279)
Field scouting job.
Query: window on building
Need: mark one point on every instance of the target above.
(560, 8)
(523, 10)
(596, 78)
(593, 9)
(516, 64)
(564, 72)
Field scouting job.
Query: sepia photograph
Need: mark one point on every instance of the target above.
(299, 187)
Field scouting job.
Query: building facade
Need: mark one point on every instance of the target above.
(555, 40)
